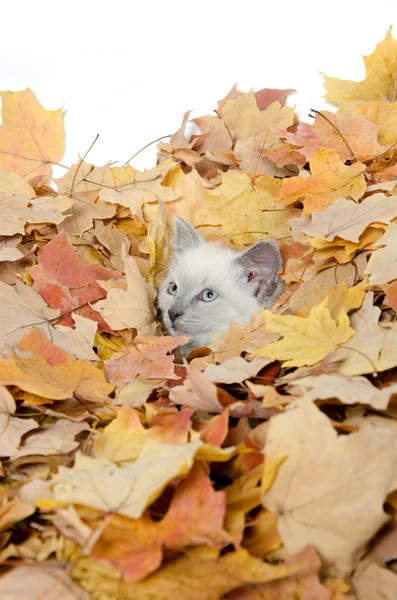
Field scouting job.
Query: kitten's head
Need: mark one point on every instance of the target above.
(208, 287)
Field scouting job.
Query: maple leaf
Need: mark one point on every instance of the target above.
(235, 370)
(380, 81)
(246, 208)
(132, 545)
(372, 581)
(347, 220)
(21, 309)
(339, 297)
(306, 341)
(315, 453)
(11, 428)
(31, 138)
(349, 390)
(329, 179)
(147, 357)
(128, 490)
(207, 576)
(52, 439)
(64, 280)
(14, 185)
(353, 136)
(217, 137)
(381, 266)
(35, 375)
(83, 183)
(195, 515)
(133, 307)
(41, 578)
(243, 118)
(125, 437)
(17, 211)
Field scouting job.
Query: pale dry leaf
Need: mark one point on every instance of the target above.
(135, 393)
(11, 428)
(18, 211)
(370, 582)
(382, 266)
(347, 220)
(30, 582)
(52, 439)
(133, 307)
(321, 498)
(349, 390)
(197, 392)
(235, 370)
(22, 308)
(101, 484)
(370, 350)
(83, 183)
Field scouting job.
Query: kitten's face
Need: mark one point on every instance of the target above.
(208, 287)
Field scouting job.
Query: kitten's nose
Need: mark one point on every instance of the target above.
(174, 314)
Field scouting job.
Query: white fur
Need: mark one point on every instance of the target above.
(200, 265)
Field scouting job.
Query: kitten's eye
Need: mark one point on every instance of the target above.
(172, 288)
(208, 295)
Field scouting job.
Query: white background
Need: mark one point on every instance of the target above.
(129, 70)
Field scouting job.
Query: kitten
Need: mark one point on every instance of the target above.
(208, 287)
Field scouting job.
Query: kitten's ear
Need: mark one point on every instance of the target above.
(186, 237)
(261, 262)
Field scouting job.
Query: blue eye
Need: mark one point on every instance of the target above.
(172, 288)
(208, 295)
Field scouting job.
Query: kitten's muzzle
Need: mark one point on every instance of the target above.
(174, 314)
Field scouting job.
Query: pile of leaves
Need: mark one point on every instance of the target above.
(264, 466)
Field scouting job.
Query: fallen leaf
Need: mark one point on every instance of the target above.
(206, 576)
(133, 307)
(243, 118)
(128, 490)
(330, 179)
(52, 439)
(371, 581)
(11, 428)
(380, 77)
(57, 382)
(316, 335)
(381, 264)
(64, 280)
(18, 211)
(83, 183)
(246, 208)
(347, 220)
(312, 477)
(46, 580)
(349, 390)
(31, 138)
(147, 356)
(21, 309)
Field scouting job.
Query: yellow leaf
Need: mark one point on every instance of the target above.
(107, 346)
(246, 208)
(380, 82)
(330, 179)
(340, 297)
(57, 382)
(270, 469)
(306, 341)
(128, 490)
(31, 138)
(204, 576)
(243, 117)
